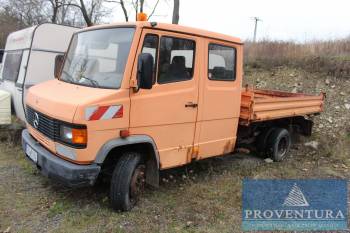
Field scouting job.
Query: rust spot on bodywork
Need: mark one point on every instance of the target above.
(228, 148)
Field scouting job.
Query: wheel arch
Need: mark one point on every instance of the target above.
(143, 144)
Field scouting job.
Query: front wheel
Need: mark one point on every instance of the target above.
(279, 144)
(128, 181)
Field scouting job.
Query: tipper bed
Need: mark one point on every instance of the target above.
(261, 105)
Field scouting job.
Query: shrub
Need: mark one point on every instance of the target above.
(331, 57)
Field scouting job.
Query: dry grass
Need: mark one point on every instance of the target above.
(201, 197)
(331, 57)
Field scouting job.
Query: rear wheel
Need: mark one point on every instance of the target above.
(279, 143)
(262, 142)
(128, 181)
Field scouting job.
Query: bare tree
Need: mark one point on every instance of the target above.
(69, 15)
(154, 10)
(19, 14)
(176, 10)
(32, 12)
(28, 12)
(8, 24)
(91, 10)
(142, 2)
(137, 6)
(87, 15)
(122, 4)
(59, 9)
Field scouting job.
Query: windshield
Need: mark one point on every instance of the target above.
(97, 58)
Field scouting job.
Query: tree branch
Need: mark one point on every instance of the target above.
(176, 10)
(72, 4)
(154, 9)
(121, 2)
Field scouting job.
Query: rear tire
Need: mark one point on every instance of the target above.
(262, 142)
(279, 143)
(128, 181)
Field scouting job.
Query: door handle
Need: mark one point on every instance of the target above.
(191, 105)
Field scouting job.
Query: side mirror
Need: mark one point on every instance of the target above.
(145, 71)
(59, 59)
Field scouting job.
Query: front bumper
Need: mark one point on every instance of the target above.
(65, 172)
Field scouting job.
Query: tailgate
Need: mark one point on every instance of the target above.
(262, 105)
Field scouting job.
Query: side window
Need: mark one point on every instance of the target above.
(176, 60)
(12, 64)
(1, 55)
(222, 63)
(150, 45)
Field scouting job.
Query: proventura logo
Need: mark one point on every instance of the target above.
(294, 214)
(294, 205)
(295, 197)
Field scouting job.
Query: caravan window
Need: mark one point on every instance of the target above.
(12, 64)
(1, 55)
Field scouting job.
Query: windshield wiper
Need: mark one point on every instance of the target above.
(70, 78)
(93, 82)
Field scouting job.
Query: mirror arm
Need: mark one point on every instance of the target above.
(134, 86)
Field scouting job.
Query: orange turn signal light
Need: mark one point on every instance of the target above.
(124, 133)
(141, 17)
(79, 136)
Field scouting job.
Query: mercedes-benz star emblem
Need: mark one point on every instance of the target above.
(36, 120)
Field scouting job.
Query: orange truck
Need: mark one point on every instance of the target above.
(132, 99)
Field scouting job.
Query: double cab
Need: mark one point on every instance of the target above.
(132, 99)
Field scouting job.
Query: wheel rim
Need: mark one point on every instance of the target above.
(137, 185)
(282, 147)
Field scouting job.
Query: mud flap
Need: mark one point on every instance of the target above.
(152, 173)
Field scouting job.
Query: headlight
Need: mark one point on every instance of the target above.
(73, 136)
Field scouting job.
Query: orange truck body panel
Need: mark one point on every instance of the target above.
(180, 134)
(264, 105)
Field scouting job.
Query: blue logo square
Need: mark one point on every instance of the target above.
(317, 204)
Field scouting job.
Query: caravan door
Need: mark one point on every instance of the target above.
(14, 66)
(13, 74)
(19, 87)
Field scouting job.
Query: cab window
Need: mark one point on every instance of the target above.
(176, 60)
(150, 46)
(222, 63)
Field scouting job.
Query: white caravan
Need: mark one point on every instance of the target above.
(29, 58)
(1, 55)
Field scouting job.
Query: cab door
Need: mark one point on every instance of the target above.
(167, 112)
(220, 97)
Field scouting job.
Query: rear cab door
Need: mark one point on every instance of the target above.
(168, 111)
(219, 98)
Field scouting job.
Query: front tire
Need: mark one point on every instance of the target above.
(128, 181)
(279, 144)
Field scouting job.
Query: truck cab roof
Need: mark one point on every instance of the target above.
(170, 27)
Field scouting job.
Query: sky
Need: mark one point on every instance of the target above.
(298, 20)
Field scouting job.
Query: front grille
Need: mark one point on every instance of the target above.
(44, 124)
